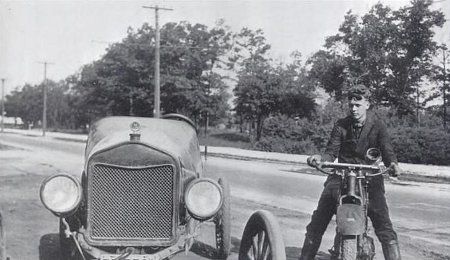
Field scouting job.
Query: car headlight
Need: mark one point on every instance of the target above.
(203, 198)
(61, 194)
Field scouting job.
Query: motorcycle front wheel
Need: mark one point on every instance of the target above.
(349, 249)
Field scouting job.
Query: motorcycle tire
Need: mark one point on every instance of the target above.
(349, 249)
(367, 250)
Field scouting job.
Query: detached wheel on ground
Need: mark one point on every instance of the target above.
(262, 238)
(223, 222)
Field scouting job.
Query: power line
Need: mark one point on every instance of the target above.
(145, 45)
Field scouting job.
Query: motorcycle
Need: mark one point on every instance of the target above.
(352, 240)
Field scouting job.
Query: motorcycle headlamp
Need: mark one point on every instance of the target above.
(61, 194)
(203, 198)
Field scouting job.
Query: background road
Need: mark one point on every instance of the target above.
(420, 211)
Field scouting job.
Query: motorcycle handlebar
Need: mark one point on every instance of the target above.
(380, 169)
(349, 166)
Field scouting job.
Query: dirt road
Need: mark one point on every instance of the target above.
(31, 230)
(29, 225)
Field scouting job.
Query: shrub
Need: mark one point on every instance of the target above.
(421, 145)
(426, 145)
(287, 135)
(280, 145)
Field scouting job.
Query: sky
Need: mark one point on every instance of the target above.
(70, 33)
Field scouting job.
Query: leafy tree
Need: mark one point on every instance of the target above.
(265, 89)
(121, 82)
(27, 103)
(58, 111)
(327, 70)
(295, 97)
(13, 104)
(253, 93)
(200, 89)
(390, 51)
(441, 77)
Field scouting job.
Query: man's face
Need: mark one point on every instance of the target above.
(358, 108)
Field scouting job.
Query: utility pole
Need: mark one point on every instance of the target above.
(3, 102)
(418, 107)
(156, 110)
(44, 111)
(444, 85)
(206, 112)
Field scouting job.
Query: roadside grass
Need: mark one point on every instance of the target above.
(225, 138)
(70, 131)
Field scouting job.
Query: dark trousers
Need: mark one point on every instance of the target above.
(377, 211)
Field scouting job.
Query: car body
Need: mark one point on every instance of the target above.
(142, 193)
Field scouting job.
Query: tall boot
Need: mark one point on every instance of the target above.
(310, 248)
(391, 250)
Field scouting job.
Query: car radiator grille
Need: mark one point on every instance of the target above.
(127, 204)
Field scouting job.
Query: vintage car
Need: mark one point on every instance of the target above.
(143, 195)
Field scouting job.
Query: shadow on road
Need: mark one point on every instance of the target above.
(49, 247)
(293, 253)
(210, 252)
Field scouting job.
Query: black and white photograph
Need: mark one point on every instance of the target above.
(225, 129)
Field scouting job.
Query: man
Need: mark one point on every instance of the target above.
(349, 141)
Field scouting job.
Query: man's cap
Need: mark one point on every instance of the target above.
(358, 91)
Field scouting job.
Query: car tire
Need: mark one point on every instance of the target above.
(262, 238)
(223, 222)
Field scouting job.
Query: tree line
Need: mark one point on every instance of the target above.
(391, 51)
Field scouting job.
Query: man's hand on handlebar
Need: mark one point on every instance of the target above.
(394, 170)
(314, 160)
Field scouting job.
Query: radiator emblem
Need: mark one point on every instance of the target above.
(135, 127)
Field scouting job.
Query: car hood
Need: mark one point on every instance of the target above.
(176, 138)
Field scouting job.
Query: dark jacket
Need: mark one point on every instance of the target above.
(345, 146)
